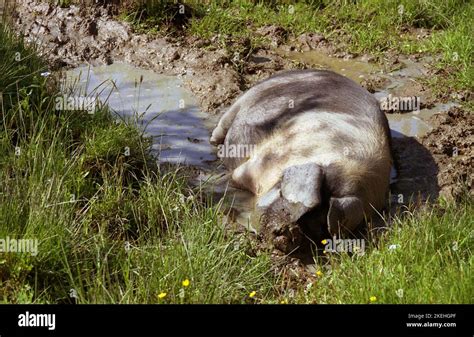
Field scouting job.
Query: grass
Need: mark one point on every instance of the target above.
(116, 228)
(425, 257)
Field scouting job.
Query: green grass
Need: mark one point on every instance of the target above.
(431, 262)
(115, 228)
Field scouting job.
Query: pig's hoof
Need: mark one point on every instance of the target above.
(217, 136)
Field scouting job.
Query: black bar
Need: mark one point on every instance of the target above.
(239, 320)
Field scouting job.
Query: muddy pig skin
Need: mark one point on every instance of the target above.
(311, 145)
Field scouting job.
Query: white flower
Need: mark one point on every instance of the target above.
(45, 74)
(393, 247)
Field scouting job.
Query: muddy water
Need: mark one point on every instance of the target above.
(355, 69)
(415, 123)
(158, 103)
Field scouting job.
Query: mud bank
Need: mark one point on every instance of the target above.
(76, 35)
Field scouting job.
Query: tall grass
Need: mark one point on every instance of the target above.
(425, 257)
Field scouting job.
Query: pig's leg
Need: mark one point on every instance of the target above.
(242, 178)
(219, 133)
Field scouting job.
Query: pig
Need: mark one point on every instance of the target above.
(321, 150)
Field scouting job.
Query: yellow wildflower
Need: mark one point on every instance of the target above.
(319, 273)
(186, 283)
(324, 241)
(373, 298)
(161, 295)
(252, 294)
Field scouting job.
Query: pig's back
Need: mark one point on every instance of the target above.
(274, 101)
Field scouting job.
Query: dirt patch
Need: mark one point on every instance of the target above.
(452, 145)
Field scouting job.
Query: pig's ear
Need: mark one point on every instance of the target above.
(301, 187)
(344, 214)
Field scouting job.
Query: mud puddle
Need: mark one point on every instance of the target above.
(355, 69)
(415, 123)
(170, 115)
(158, 103)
